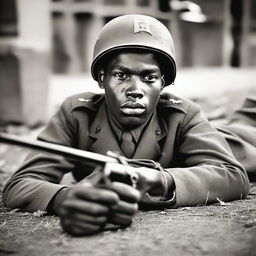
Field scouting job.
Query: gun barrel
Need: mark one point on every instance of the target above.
(77, 154)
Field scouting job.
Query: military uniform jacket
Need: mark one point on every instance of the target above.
(239, 130)
(179, 137)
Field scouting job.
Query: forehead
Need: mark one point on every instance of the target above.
(134, 61)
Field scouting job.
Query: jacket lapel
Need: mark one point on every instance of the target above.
(104, 139)
(102, 135)
(148, 147)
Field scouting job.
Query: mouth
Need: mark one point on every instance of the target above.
(132, 108)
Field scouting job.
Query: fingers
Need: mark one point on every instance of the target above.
(126, 192)
(80, 217)
(71, 206)
(77, 227)
(94, 194)
(125, 207)
(122, 213)
(120, 219)
(87, 208)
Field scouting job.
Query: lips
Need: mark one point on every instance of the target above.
(132, 108)
(130, 104)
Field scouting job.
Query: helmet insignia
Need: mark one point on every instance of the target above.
(141, 25)
(84, 100)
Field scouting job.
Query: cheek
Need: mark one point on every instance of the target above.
(154, 97)
(114, 94)
(117, 88)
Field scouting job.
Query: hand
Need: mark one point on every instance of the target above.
(155, 182)
(149, 180)
(85, 209)
(122, 213)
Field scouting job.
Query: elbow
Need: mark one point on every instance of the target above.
(7, 202)
(7, 198)
(240, 182)
(244, 181)
(12, 196)
(245, 186)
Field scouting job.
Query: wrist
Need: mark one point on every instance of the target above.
(57, 200)
(168, 185)
(163, 185)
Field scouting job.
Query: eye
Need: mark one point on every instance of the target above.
(150, 78)
(120, 75)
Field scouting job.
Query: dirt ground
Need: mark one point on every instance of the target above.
(219, 229)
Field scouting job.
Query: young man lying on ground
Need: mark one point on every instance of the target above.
(133, 61)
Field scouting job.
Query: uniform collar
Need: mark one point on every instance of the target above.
(105, 140)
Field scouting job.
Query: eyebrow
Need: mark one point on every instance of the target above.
(145, 71)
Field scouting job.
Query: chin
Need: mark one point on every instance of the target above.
(132, 122)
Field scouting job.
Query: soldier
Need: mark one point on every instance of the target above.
(133, 61)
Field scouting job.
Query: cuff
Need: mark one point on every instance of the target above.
(55, 203)
(169, 194)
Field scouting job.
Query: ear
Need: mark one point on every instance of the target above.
(101, 78)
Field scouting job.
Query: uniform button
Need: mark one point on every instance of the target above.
(98, 129)
(158, 132)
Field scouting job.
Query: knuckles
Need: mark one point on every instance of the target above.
(87, 200)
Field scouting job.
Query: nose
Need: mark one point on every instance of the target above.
(135, 94)
(134, 89)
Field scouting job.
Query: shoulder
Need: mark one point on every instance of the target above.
(86, 101)
(171, 102)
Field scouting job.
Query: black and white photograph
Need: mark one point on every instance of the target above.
(128, 127)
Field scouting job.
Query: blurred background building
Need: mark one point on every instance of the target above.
(46, 47)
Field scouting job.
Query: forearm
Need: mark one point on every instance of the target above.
(206, 168)
(34, 184)
(207, 183)
(29, 194)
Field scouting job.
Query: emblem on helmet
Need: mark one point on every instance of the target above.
(141, 25)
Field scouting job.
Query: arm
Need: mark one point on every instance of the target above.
(200, 154)
(36, 182)
(201, 169)
(84, 208)
(207, 169)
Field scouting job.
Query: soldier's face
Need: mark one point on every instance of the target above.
(132, 83)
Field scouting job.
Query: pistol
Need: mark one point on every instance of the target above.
(129, 173)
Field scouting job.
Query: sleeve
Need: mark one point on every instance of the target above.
(208, 171)
(239, 130)
(36, 182)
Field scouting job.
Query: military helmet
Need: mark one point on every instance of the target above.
(136, 32)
